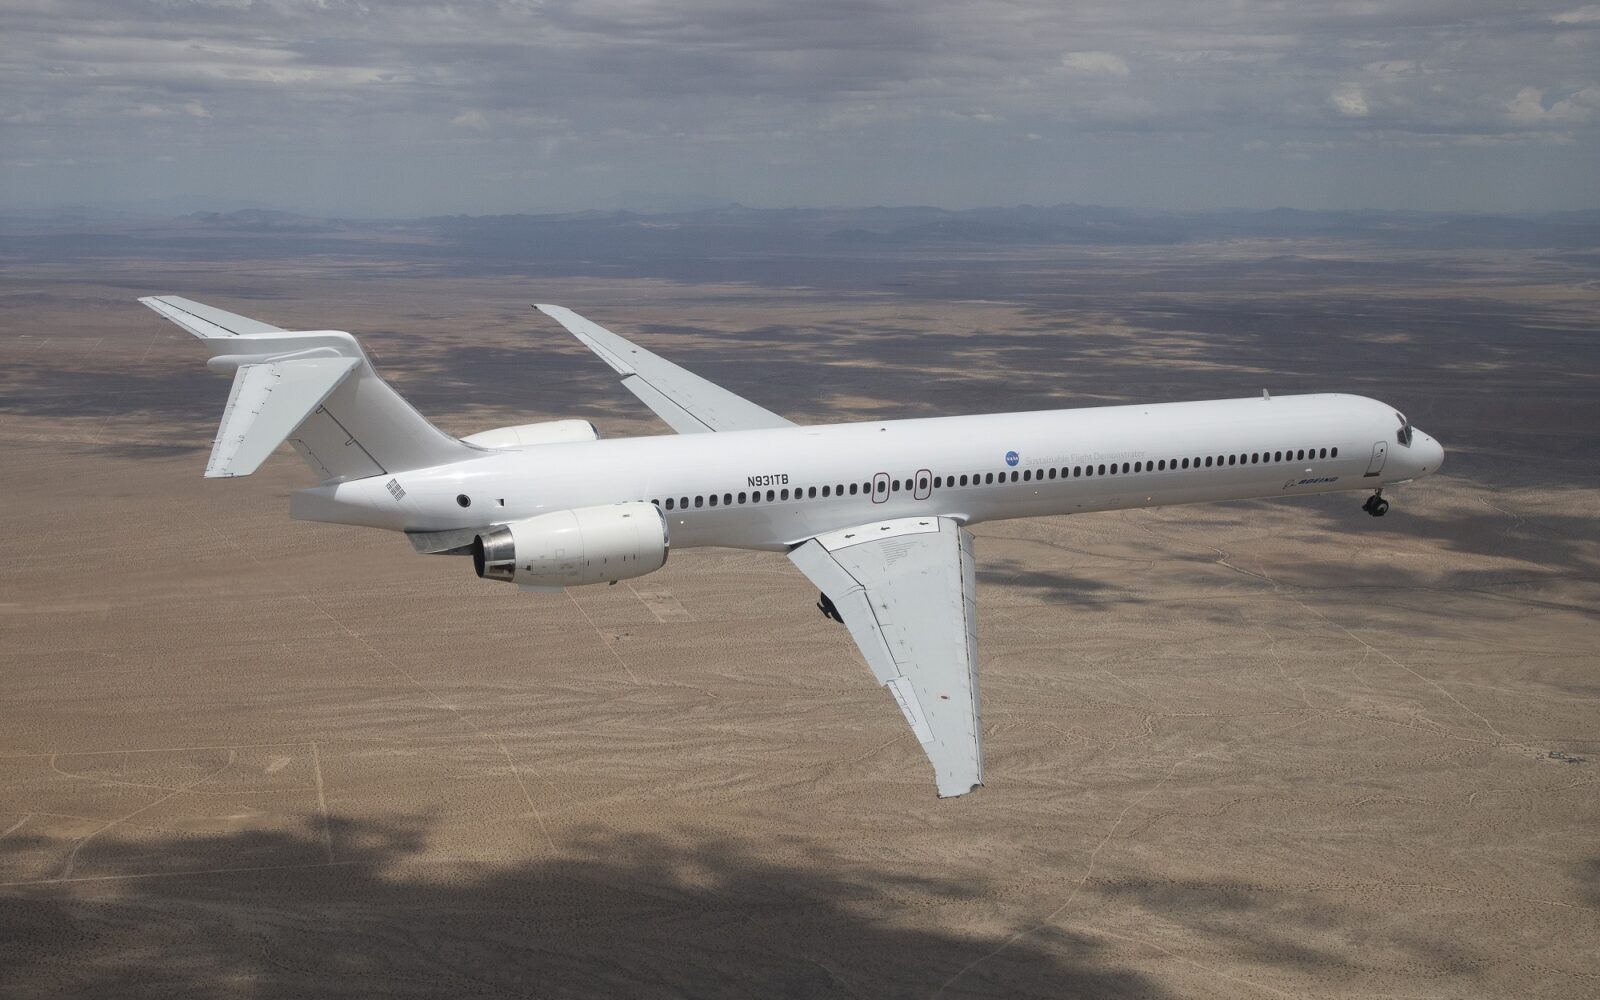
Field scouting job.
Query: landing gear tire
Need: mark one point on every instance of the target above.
(1376, 505)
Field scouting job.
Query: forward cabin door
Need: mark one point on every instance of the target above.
(1380, 451)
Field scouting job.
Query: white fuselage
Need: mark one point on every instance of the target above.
(770, 489)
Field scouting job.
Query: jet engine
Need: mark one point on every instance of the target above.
(522, 435)
(569, 548)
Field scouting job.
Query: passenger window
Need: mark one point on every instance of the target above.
(826, 492)
(812, 493)
(1052, 472)
(699, 501)
(895, 486)
(1208, 461)
(784, 495)
(683, 502)
(1027, 475)
(852, 489)
(669, 503)
(922, 482)
(1323, 453)
(1014, 475)
(771, 495)
(727, 499)
(743, 498)
(988, 478)
(1335, 453)
(963, 480)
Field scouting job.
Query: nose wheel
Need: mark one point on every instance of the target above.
(1376, 505)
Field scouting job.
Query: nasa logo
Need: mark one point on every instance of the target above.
(1012, 458)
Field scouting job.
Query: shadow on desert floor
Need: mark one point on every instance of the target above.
(611, 916)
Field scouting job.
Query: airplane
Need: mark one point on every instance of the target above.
(875, 513)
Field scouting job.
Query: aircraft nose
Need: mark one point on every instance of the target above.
(1430, 453)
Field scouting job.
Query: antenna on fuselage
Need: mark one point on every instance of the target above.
(1266, 395)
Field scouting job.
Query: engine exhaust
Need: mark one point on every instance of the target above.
(494, 554)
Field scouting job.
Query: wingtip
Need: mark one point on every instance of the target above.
(956, 795)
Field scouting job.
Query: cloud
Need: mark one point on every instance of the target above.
(1349, 101)
(1589, 14)
(766, 102)
(1529, 106)
(1095, 63)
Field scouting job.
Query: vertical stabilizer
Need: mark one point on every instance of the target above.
(317, 390)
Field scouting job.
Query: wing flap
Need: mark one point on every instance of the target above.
(688, 403)
(906, 591)
(267, 402)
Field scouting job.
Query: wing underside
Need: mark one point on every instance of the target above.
(905, 589)
(688, 403)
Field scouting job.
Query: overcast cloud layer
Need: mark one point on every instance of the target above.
(416, 108)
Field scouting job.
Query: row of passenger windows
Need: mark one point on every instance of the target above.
(921, 483)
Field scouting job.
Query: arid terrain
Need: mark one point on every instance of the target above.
(1235, 750)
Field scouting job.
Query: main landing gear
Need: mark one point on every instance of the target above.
(828, 610)
(1376, 505)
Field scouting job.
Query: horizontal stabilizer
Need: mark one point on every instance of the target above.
(268, 401)
(206, 322)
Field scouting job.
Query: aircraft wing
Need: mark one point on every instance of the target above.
(688, 403)
(206, 322)
(904, 588)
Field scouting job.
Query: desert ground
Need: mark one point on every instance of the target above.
(1275, 749)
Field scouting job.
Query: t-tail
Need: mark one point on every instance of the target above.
(315, 389)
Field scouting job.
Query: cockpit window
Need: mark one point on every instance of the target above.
(1403, 435)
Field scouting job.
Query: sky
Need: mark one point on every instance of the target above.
(376, 108)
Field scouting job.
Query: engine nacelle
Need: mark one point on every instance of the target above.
(569, 548)
(522, 435)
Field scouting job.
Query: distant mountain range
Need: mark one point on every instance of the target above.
(737, 229)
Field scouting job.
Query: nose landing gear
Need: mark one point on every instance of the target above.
(1376, 505)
